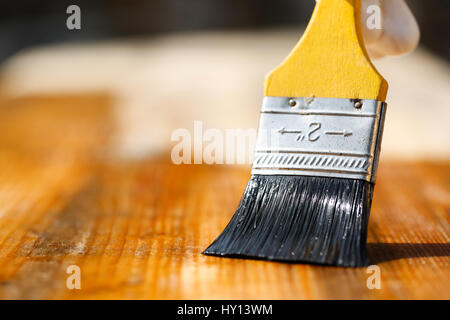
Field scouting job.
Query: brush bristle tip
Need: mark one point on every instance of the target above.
(299, 219)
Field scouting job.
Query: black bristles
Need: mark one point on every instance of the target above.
(299, 219)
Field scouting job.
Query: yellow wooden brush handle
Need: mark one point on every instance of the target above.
(330, 59)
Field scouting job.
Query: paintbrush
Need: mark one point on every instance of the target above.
(310, 192)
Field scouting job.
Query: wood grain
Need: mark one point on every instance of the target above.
(330, 60)
(136, 228)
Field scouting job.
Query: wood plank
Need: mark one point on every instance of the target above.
(136, 228)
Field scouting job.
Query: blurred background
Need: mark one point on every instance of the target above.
(26, 23)
(165, 63)
(86, 178)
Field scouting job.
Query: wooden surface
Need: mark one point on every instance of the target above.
(136, 228)
(330, 60)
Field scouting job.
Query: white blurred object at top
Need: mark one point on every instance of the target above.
(389, 28)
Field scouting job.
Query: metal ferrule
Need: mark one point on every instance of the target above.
(326, 137)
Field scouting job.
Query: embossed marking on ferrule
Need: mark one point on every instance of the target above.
(324, 137)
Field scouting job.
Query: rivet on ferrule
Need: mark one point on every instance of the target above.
(358, 104)
(292, 102)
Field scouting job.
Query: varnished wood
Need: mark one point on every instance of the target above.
(136, 228)
(330, 60)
